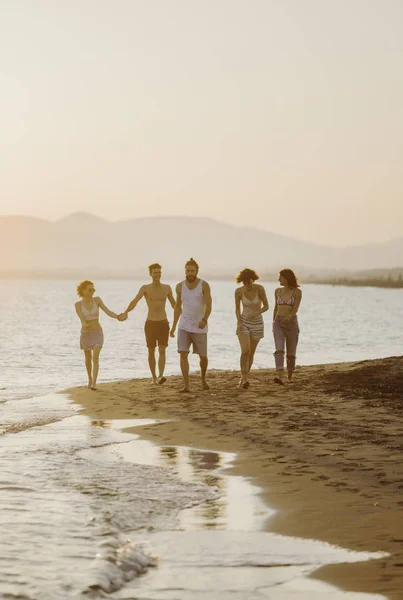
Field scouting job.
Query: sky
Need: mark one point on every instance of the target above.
(285, 115)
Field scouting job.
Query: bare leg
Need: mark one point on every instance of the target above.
(151, 363)
(161, 360)
(88, 365)
(244, 342)
(95, 358)
(184, 362)
(161, 364)
(203, 371)
(253, 346)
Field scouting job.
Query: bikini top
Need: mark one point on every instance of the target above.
(92, 313)
(246, 302)
(290, 301)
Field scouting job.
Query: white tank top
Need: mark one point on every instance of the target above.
(193, 308)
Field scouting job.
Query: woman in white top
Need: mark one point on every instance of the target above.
(250, 328)
(92, 336)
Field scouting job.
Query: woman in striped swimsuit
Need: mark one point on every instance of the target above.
(250, 328)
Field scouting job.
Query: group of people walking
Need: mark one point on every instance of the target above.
(192, 308)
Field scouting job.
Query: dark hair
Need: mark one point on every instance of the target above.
(81, 287)
(246, 275)
(292, 280)
(153, 266)
(192, 263)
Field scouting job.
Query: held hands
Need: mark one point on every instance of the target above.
(122, 317)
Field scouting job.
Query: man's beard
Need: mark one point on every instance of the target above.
(191, 278)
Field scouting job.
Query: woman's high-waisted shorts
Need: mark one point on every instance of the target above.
(252, 326)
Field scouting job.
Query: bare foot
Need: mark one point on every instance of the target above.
(278, 380)
(184, 390)
(89, 386)
(245, 385)
(162, 380)
(154, 381)
(205, 385)
(94, 387)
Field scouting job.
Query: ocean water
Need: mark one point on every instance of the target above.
(39, 334)
(90, 511)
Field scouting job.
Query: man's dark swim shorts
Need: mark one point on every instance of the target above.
(157, 333)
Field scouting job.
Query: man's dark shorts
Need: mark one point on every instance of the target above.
(157, 333)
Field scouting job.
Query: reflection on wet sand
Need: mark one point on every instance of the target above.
(238, 506)
(170, 454)
(212, 513)
(201, 466)
(100, 423)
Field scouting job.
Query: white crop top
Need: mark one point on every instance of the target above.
(93, 313)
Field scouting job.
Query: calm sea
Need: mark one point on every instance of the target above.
(79, 498)
(39, 334)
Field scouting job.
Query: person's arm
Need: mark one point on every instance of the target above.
(262, 295)
(80, 315)
(171, 297)
(238, 305)
(106, 310)
(208, 303)
(275, 305)
(177, 309)
(135, 301)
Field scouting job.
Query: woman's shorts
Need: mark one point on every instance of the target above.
(252, 327)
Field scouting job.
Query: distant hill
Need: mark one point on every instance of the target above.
(85, 243)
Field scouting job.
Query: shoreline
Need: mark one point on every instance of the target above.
(325, 451)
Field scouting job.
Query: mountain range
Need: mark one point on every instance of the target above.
(82, 242)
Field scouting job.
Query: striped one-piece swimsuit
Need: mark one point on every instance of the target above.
(251, 324)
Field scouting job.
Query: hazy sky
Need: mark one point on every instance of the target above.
(281, 114)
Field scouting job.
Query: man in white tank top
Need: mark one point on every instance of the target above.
(192, 310)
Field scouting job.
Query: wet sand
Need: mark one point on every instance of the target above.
(326, 451)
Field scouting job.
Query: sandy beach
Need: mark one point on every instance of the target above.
(326, 451)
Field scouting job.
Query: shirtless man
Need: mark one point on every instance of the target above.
(156, 327)
(193, 306)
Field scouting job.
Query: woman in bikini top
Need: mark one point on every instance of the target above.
(285, 323)
(92, 337)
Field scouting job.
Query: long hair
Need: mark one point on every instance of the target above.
(81, 287)
(292, 280)
(246, 275)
